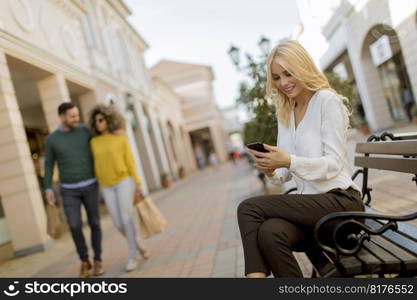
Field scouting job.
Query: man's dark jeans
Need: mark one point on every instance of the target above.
(89, 197)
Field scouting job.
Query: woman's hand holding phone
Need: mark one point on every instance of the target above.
(274, 159)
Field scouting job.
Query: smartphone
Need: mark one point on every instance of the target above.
(257, 147)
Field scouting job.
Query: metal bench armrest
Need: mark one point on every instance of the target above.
(351, 229)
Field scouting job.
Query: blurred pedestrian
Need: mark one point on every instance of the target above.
(115, 169)
(236, 154)
(198, 152)
(230, 152)
(213, 159)
(408, 100)
(69, 147)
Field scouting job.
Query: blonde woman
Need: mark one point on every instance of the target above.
(311, 148)
(116, 172)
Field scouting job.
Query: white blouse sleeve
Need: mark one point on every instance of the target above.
(281, 175)
(333, 139)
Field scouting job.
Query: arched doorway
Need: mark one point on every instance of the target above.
(164, 143)
(386, 73)
(202, 143)
(153, 138)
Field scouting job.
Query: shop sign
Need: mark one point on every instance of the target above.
(381, 50)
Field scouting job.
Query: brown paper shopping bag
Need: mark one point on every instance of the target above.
(151, 220)
(53, 221)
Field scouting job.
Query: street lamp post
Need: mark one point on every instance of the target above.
(234, 52)
(264, 44)
(234, 55)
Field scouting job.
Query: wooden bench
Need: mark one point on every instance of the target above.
(369, 243)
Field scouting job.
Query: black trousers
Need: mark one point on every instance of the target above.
(89, 197)
(273, 226)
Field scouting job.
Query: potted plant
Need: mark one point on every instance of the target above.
(360, 124)
(181, 172)
(364, 128)
(166, 183)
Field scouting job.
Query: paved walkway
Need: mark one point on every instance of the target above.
(202, 238)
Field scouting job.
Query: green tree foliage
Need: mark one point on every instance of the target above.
(263, 125)
(345, 88)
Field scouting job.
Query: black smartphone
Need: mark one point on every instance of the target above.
(257, 147)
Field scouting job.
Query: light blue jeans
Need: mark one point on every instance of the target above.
(119, 201)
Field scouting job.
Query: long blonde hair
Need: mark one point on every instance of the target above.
(296, 61)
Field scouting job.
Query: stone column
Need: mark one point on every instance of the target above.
(146, 150)
(21, 198)
(168, 146)
(181, 147)
(53, 91)
(190, 153)
(218, 142)
(139, 167)
(158, 135)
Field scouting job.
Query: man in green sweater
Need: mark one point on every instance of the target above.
(69, 146)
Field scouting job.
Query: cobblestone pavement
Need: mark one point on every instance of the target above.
(201, 239)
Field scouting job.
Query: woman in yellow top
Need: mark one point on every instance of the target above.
(115, 170)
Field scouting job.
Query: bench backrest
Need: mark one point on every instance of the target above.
(398, 156)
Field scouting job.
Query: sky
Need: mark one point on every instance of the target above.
(202, 32)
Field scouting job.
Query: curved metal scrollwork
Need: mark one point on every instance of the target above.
(358, 238)
(382, 137)
(349, 235)
(373, 138)
(386, 135)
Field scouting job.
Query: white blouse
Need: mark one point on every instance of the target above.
(318, 147)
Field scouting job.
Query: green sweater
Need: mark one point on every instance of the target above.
(71, 150)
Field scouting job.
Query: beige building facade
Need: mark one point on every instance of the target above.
(203, 119)
(373, 44)
(173, 128)
(54, 51)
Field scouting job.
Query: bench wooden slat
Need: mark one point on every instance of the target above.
(389, 261)
(409, 231)
(409, 260)
(375, 258)
(396, 237)
(401, 241)
(408, 148)
(405, 136)
(370, 263)
(351, 265)
(404, 165)
(391, 251)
